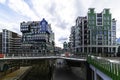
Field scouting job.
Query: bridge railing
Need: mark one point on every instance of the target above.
(27, 55)
(42, 55)
(107, 66)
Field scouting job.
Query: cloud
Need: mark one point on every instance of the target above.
(22, 8)
(62, 39)
(52, 8)
(3, 1)
(61, 14)
(10, 26)
(62, 24)
(57, 13)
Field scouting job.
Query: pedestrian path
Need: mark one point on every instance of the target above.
(16, 74)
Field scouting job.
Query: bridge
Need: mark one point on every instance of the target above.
(31, 56)
(104, 68)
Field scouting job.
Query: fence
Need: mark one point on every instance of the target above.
(109, 67)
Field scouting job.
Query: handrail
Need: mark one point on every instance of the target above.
(107, 66)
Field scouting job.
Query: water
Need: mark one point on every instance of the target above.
(41, 71)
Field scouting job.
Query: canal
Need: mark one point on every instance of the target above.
(40, 71)
(58, 70)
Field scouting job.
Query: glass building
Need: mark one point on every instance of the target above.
(37, 37)
(11, 42)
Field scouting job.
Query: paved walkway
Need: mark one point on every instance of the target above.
(16, 74)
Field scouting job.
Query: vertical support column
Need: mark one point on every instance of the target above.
(116, 50)
(111, 50)
(96, 49)
(95, 75)
(91, 50)
(1, 66)
(87, 50)
(82, 49)
(103, 51)
(108, 50)
(89, 72)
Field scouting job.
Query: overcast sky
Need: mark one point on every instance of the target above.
(61, 14)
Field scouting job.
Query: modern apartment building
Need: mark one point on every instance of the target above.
(72, 39)
(102, 31)
(9, 43)
(37, 37)
(80, 35)
(95, 33)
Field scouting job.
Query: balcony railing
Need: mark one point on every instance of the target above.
(107, 66)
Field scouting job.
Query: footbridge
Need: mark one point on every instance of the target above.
(98, 68)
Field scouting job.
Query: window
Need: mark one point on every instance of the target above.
(99, 23)
(105, 27)
(93, 22)
(99, 42)
(89, 17)
(104, 18)
(108, 18)
(100, 32)
(114, 23)
(99, 37)
(99, 14)
(93, 18)
(99, 19)
(105, 37)
(114, 27)
(109, 33)
(104, 23)
(113, 33)
(108, 23)
(105, 32)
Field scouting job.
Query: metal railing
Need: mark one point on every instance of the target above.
(107, 66)
(40, 55)
(36, 56)
(27, 55)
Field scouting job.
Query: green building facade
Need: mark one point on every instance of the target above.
(102, 32)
